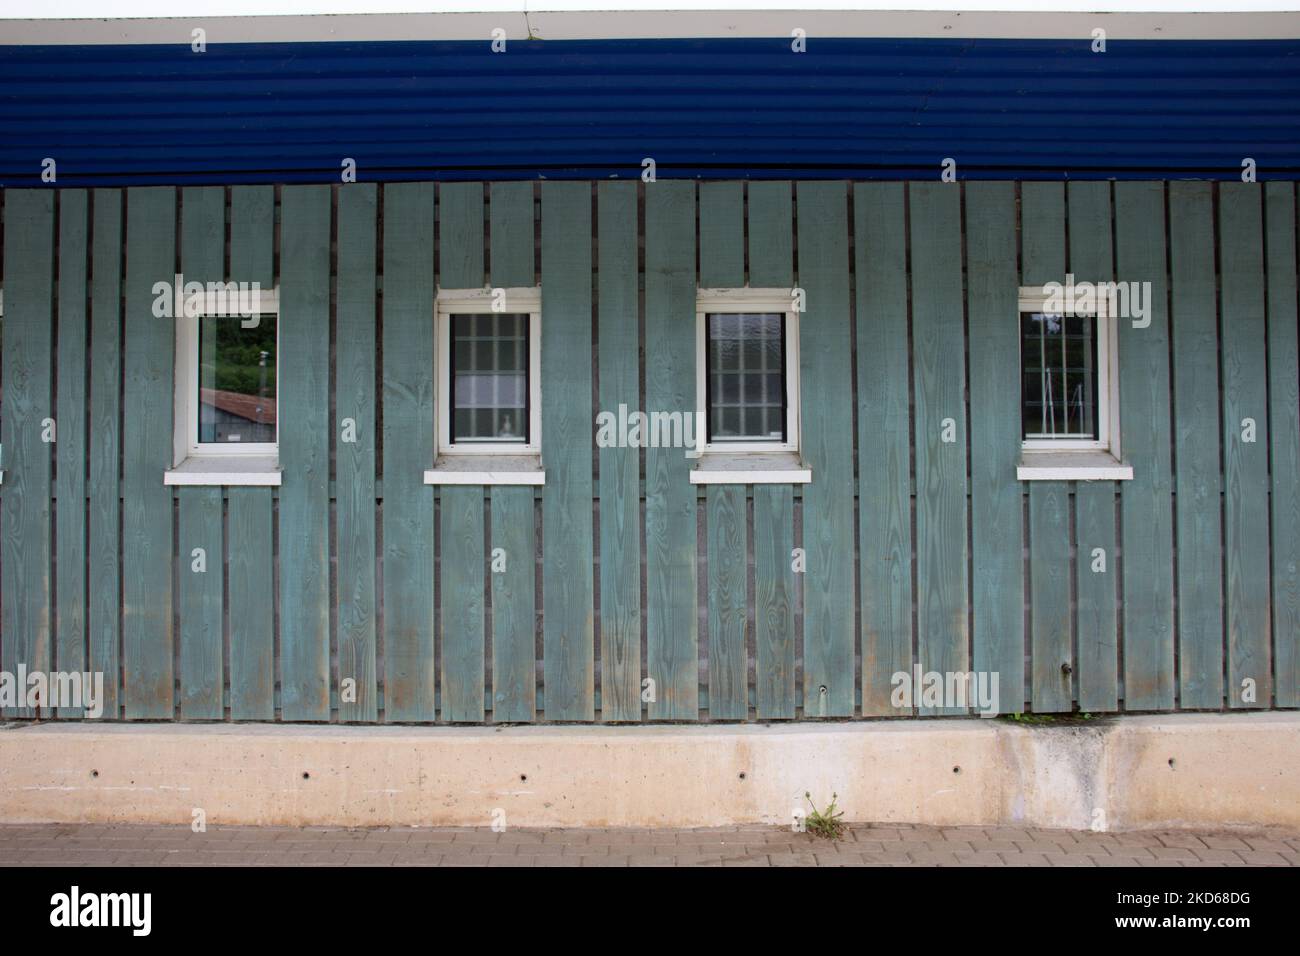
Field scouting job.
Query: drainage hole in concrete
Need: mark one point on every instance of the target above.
(94, 773)
(1171, 763)
(742, 775)
(306, 775)
(956, 769)
(523, 777)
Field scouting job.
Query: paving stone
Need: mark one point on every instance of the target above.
(860, 845)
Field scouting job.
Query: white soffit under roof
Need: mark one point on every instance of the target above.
(663, 19)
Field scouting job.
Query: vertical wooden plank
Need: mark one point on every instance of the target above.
(514, 675)
(514, 645)
(774, 671)
(1245, 448)
(511, 218)
(408, 442)
(884, 442)
(304, 452)
(771, 235)
(250, 517)
(200, 580)
(771, 266)
(103, 613)
(1145, 502)
(252, 612)
(460, 231)
(1284, 433)
(722, 235)
(940, 383)
(1097, 616)
(826, 379)
(620, 506)
(1042, 224)
(728, 546)
(568, 582)
(148, 369)
(672, 631)
(462, 603)
(25, 494)
(70, 449)
(722, 266)
(997, 521)
(1194, 327)
(355, 457)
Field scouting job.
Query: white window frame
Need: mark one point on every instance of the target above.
(480, 302)
(1034, 299)
(187, 444)
(712, 301)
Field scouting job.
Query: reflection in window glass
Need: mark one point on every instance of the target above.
(746, 376)
(489, 388)
(1058, 356)
(237, 381)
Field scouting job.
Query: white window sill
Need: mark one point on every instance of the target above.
(486, 470)
(1072, 466)
(232, 470)
(751, 468)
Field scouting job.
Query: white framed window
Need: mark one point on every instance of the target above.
(1069, 390)
(227, 407)
(489, 387)
(747, 386)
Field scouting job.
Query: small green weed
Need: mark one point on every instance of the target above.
(824, 823)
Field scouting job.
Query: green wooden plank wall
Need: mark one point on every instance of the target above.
(1284, 433)
(568, 578)
(408, 441)
(939, 374)
(997, 517)
(1042, 256)
(70, 449)
(104, 568)
(1096, 680)
(1197, 505)
(25, 506)
(618, 333)
(672, 628)
(250, 517)
(826, 441)
(148, 371)
(354, 435)
(1174, 590)
(514, 537)
(200, 570)
(770, 228)
(304, 435)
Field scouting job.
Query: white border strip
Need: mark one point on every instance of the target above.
(639, 24)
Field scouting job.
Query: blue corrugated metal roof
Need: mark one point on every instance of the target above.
(854, 108)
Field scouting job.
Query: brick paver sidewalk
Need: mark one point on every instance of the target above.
(887, 845)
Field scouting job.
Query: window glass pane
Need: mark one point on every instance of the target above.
(1058, 361)
(746, 376)
(489, 393)
(237, 381)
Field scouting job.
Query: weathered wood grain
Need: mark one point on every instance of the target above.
(354, 463)
(939, 387)
(620, 506)
(1193, 323)
(410, 675)
(672, 631)
(1245, 445)
(568, 578)
(884, 442)
(304, 435)
(997, 519)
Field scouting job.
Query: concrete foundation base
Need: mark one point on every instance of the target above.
(1127, 773)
